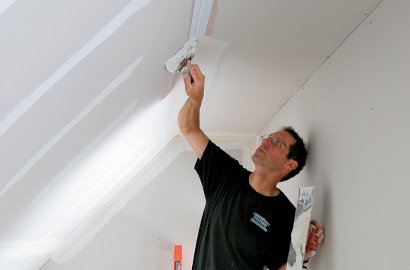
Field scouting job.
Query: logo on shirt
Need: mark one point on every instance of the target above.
(260, 221)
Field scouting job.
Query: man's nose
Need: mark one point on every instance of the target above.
(264, 142)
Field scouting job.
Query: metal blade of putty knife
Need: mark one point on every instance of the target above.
(178, 62)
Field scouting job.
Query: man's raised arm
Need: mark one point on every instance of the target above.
(188, 117)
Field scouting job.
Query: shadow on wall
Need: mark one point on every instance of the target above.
(317, 174)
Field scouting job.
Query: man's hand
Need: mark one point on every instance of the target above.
(195, 89)
(315, 238)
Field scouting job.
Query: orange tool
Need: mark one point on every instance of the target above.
(177, 257)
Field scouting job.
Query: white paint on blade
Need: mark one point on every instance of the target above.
(300, 228)
(94, 103)
(130, 9)
(178, 61)
(5, 4)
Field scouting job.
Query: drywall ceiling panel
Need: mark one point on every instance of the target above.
(74, 73)
(39, 36)
(274, 47)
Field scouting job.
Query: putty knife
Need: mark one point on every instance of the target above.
(178, 62)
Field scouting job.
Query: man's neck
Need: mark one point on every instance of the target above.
(264, 184)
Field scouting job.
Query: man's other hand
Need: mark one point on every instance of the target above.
(315, 238)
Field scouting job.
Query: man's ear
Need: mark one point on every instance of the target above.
(291, 164)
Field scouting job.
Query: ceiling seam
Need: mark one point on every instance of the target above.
(110, 88)
(107, 31)
(44, 264)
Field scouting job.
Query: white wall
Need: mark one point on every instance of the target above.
(355, 114)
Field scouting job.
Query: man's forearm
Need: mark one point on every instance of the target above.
(188, 118)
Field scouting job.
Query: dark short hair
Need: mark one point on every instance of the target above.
(297, 151)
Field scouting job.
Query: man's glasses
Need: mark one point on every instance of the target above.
(274, 140)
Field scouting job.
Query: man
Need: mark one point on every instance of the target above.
(247, 220)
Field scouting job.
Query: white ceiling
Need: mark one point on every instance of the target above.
(86, 103)
(274, 48)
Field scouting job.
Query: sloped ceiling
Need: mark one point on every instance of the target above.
(86, 103)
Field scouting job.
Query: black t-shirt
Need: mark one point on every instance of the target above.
(240, 228)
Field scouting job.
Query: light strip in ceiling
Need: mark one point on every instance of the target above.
(5, 4)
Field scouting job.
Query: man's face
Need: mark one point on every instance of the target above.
(273, 151)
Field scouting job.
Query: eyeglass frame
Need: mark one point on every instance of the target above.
(274, 140)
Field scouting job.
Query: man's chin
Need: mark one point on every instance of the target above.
(255, 157)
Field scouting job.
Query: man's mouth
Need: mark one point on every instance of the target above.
(260, 148)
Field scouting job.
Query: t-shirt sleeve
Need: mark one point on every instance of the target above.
(212, 166)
